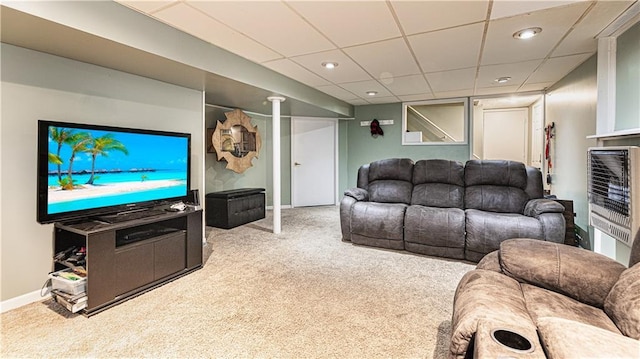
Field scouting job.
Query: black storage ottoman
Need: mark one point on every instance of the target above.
(232, 208)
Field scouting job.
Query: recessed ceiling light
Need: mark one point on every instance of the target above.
(329, 65)
(503, 79)
(527, 33)
(372, 93)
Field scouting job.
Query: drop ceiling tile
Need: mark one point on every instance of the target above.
(411, 98)
(463, 79)
(360, 88)
(296, 72)
(337, 92)
(346, 71)
(535, 86)
(339, 20)
(582, 38)
(448, 49)
(500, 46)
(518, 72)
(385, 59)
(381, 100)
(424, 16)
(271, 23)
(557, 67)
(452, 94)
(407, 85)
(507, 8)
(147, 6)
(497, 90)
(194, 22)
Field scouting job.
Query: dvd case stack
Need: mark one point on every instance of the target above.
(68, 286)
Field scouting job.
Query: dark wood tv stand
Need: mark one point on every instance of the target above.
(129, 258)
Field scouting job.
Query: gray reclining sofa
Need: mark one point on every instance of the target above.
(442, 208)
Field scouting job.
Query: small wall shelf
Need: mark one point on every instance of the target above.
(632, 133)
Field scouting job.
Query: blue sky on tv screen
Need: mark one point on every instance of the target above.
(144, 151)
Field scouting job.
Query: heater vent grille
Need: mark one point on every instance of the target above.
(613, 190)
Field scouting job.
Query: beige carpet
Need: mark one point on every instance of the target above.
(300, 294)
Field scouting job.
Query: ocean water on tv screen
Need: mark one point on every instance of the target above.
(110, 189)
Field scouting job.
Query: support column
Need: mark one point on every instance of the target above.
(275, 123)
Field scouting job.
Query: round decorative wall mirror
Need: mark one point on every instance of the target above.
(236, 141)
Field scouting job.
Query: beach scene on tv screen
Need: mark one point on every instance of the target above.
(90, 168)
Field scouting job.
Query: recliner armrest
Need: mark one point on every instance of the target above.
(538, 206)
(358, 194)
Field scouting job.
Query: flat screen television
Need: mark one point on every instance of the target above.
(90, 170)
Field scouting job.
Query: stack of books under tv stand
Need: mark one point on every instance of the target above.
(125, 258)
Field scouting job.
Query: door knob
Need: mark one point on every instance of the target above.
(296, 164)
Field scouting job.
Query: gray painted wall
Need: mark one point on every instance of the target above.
(218, 178)
(362, 148)
(40, 86)
(571, 105)
(628, 79)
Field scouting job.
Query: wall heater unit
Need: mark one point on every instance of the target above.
(614, 191)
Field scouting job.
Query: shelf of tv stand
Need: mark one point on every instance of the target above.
(169, 246)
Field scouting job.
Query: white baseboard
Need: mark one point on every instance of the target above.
(284, 206)
(22, 300)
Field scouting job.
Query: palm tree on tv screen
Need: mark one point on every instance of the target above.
(79, 143)
(61, 136)
(101, 146)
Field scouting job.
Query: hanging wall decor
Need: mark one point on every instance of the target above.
(236, 141)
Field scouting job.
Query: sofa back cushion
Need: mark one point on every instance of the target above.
(390, 180)
(534, 183)
(438, 183)
(575, 272)
(495, 185)
(622, 304)
(363, 177)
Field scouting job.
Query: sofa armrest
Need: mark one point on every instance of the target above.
(538, 206)
(358, 194)
(578, 273)
(563, 338)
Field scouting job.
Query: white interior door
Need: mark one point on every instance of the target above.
(505, 134)
(537, 134)
(314, 158)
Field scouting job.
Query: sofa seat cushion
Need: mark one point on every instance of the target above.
(623, 302)
(543, 303)
(563, 338)
(486, 230)
(581, 274)
(378, 224)
(488, 296)
(435, 231)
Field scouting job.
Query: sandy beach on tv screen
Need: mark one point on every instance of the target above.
(88, 191)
